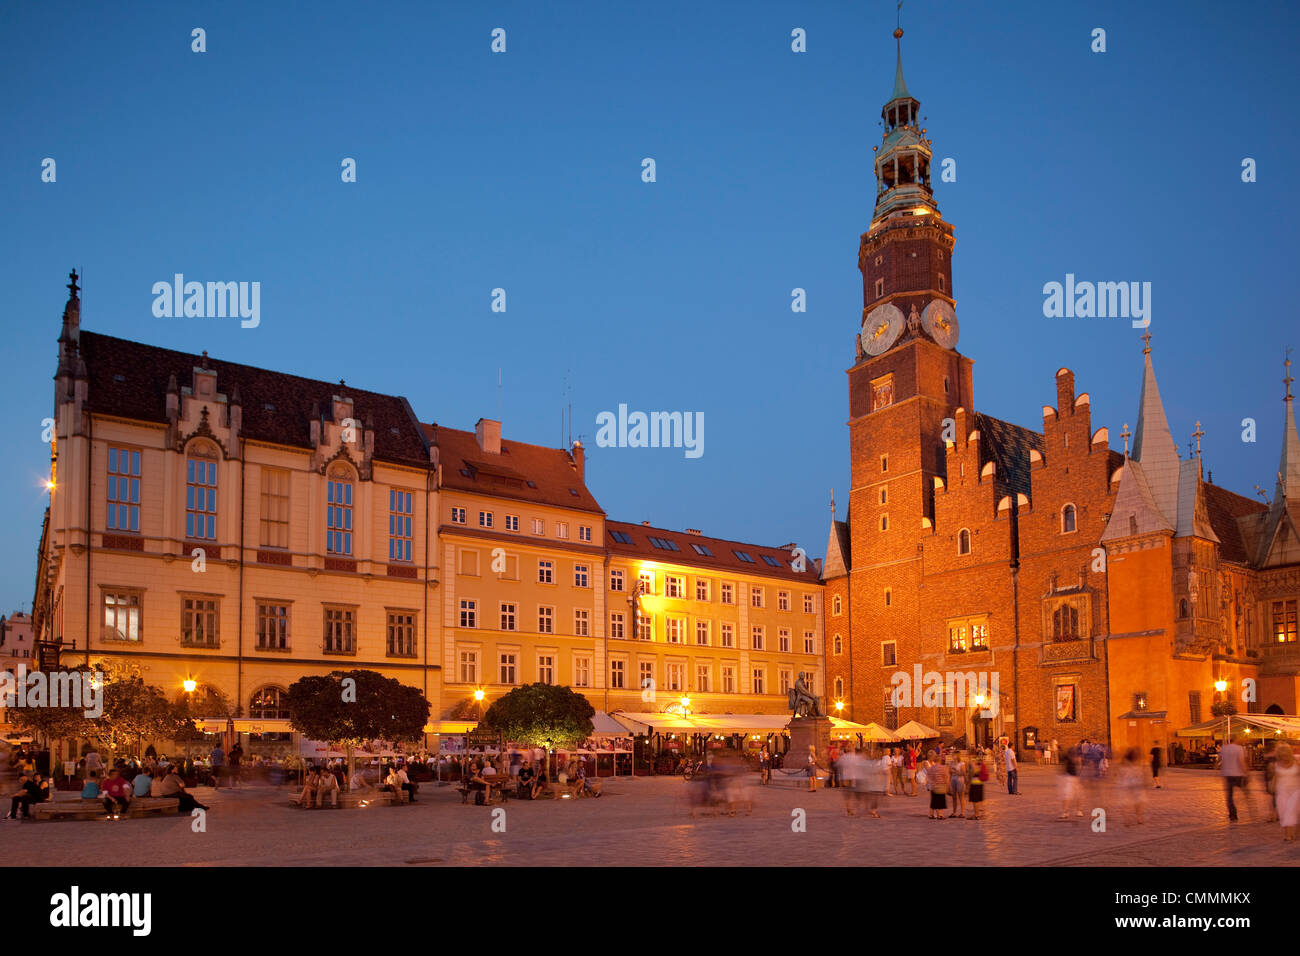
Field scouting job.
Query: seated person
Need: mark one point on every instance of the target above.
(23, 798)
(481, 781)
(156, 786)
(174, 786)
(44, 784)
(91, 790)
(310, 785)
(117, 794)
(327, 786)
(405, 783)
(358, 781)
(142, 785)
(583, 786)
(527, 780)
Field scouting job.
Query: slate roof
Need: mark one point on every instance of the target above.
(521, 471)
(838, 551)
(1226, 508)
(1008, 447)
(129, 379)
(722, 556)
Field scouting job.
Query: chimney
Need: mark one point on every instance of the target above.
(580, 460)
(645, 524)
(1064, 392)
(695, 531)
(488, 434)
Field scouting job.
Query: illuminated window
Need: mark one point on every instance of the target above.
(545, 669)
(122, 615)
(269, 703)
(702, 633)
(701, 589)
(469, 667)
(1284, 621)
(674, 587)
(673, 627)
(199, 622)
(727, 635)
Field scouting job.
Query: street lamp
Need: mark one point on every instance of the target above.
(189, 684)
(839, 706)
(1220, 685)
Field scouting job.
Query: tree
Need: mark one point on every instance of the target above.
(1223, 708)
(537, 713)
(467, 709)
(343, 714)
(55, 723)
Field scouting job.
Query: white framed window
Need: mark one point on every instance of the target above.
(963, 541)
(468, 613)
(838, 645)
(783, 680)
(839, 687)
(580, 575)
(275, 508)
(546, 668)
(123, 489)
(584, 532)
(647, 579)
(726, 634)
(728, 678)
(755, 597)
(199, 616)
(617, 674)
(836, 606)
(272, 626)
(457, 515)
(581, 622)
(509, 616)
(645, 674)
(783, 600)
(727, 593)
(581, 671)
(645, 627)
(616, 624)
(545, 620)
(703, 677)
(512, 522)
(539, 526)
(545, 572)
(340, 630)
(674, 586)
(808, 606)
(673, 627)
(122, 615)
(701, 589)
(760, 680)
(756, 636)
(808, 642)
(702, 633)
(616, 579)
(675, 675)
(561, 529)
(400, 633)
(508, 667)
(469, 667)
(1069, 519)
(783, 640)
(401, 515)
(200, 499)
(338, 516)
(485, 519)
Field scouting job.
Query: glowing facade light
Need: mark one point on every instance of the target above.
(479, 695)
(1220, 685)
(189, 685)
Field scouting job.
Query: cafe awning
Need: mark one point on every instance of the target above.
(912, 730)
(603, 725)
(450, 726)
(847, 728)
(244, 725)
(660, 723)
(1247, 725)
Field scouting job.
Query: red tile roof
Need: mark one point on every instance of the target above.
(722, 557)
(129, 379)
(523, 472)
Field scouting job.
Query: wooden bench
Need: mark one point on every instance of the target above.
(83, 809)
(499, 793)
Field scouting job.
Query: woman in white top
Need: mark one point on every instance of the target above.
(1286, 790)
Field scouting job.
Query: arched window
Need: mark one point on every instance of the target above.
(835, 604)
(889, 596)
(1068, 517)
(839, 687)
(201, 491)
(1182, 608)
(338, 511)
(963, 541)
(269, 703)
(839, 644)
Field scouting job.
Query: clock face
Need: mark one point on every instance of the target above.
(880, 328)
(940, 323)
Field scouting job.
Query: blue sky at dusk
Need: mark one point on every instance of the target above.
(522, 171)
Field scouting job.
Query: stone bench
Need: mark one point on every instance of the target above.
(84, 809)
(357, 799)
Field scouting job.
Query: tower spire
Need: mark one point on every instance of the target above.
(1153, 444)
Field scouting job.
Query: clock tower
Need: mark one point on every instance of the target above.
(907, 379)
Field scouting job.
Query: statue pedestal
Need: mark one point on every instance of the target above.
(806, 732)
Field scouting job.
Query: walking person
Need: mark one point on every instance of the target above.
(960, 774)
(979, 776)
(1232, 767)
(764, 766)
(218, 758)
(233, 760)
(909, 767)
(1132, 780)
(937, 778)
(812, 768)
(1071, 786)
(1157, 758)
(1013, 772)
(1286, 790)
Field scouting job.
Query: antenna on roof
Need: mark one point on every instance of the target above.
(498, 393)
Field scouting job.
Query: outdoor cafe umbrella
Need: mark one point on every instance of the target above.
(915, 731)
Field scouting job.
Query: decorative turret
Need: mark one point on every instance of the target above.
(1280, 542)
(903, 158)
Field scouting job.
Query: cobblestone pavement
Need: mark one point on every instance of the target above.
(646, 822)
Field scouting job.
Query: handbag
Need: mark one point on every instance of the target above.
(920, 777)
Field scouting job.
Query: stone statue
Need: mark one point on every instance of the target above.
(802, 701)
